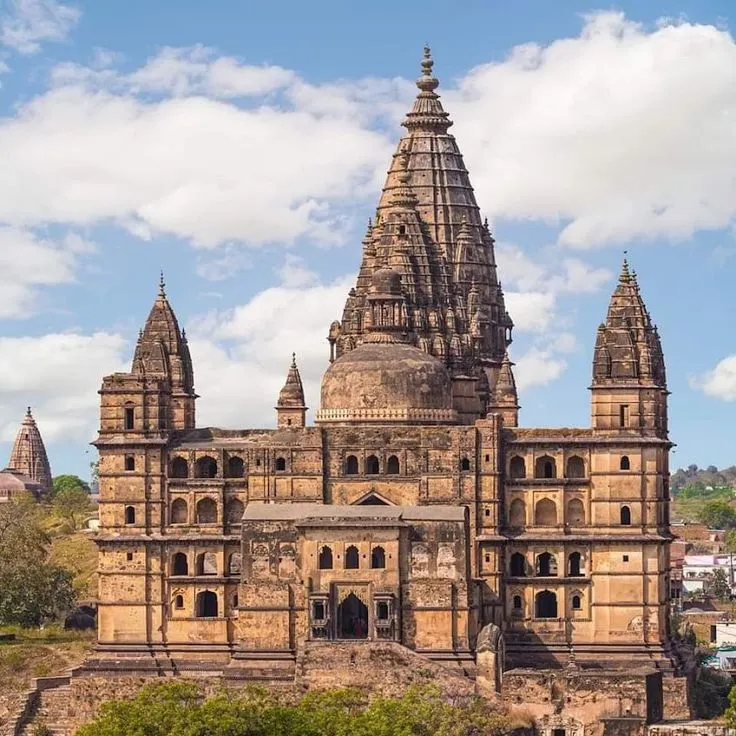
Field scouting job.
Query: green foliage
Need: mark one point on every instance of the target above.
(718, 515)
(718, 584)
(166, 709)
(67, 482)
(72, 505)
(710, 476)
(32, 590)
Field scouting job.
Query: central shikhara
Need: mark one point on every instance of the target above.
(416, 511)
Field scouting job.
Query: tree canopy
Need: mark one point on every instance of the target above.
(32, 590)
(72, 504)
(67, 482)
(179, 708)
(718, 515)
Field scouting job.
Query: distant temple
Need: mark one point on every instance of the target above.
(28, 468)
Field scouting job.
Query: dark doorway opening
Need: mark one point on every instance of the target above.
(352, 618)
(546, 604)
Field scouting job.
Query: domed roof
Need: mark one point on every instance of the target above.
(386, 281)
(386, 382)
(13, 482)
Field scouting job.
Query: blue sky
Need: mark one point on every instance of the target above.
(241, 147)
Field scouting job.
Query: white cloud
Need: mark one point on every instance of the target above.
(28, 261)
(621, 132)
(720, 382)
(538, 367)
(58, 375)
(29, 22)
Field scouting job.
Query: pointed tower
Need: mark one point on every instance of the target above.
(291, 410)
(629, 389)
(429, 230)
(505, 400)
(29, 454)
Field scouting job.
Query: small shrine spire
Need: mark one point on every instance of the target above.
(162, 286)
(28, 455)
(290, 408)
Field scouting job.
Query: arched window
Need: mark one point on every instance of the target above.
(235, 511)
(179, 513)
(235, 467)
(352, 558)
(206, 563)
(545, 467)
(234, 564)
(546, 565)
(517, 514)
(517, 567)
(575, 467)
(625, 516)
(129, 416)
(576, 602)
(180, 565)
(392, 465)
(280, 464)
(378, 558)
(179, 602)
(179, 468)
(517, 467)
(205, 467)
(546, 604)
(325, 558)
(545, 513)
(206, 605)
(575, 512)
(206, 511)
(517, 603)
(625, 463)
(129, 462)
(371, 465)
(465, 464)
(129, 515)
(351, 465)
(574, 567)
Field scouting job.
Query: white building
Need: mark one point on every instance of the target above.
(698, 569)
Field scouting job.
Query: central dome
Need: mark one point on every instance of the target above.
(386, 382)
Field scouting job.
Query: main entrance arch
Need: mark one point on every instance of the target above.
(352, 618)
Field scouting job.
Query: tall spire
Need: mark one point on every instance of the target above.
(628, 349)
(162, 350)
(28, 455)
(505, 400)
(429, 230)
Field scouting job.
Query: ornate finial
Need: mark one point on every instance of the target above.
(293, 360)
(162, 285)
(28, 411)
(625, 276)
(183, 335)
(427, 83)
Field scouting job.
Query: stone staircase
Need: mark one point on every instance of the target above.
(51, 711)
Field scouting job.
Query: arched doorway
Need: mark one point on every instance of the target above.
(352, 618)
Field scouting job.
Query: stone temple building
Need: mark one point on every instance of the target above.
(415, 510)
(28, 469)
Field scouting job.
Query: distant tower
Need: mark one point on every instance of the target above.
(505, 400)
(629, 390)
(29, 454)
(290, 408)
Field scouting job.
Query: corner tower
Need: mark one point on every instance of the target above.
(291, 410)
(629, 389)
(428, 229)
(28, 455)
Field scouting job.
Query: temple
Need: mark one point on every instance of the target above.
(415, 511)
(28, 469)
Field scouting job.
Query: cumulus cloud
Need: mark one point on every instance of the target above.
(57, 374)
(621, 132)
(719, 382)
(538, 367)
(27, 23)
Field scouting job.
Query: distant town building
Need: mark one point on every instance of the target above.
(28, 468)
(697, 571)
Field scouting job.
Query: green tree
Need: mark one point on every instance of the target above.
(165, 709)
(31, 589)
(72, 504)
(66, 482)
(718, 515)
(718, 584)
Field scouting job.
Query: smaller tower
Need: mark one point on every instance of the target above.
(290, 408)
(504, 399)
(629, 389)
(29, 454)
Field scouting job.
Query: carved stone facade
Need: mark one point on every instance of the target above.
(416, 511)
(28, 469)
